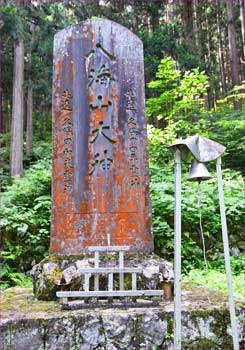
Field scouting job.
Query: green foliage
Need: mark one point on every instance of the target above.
(12, 21)
(191, 89)
(26, 220)
(236, 94)
(178, 98)
(8, 278)
(227, 127)
(166, 42)
(42, 149)
(4, 170)
(237, 263)
(216, 280)
(158, 143)
(178, 102)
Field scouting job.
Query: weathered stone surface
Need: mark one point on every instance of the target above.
(28, 324)
(100, 170)
(65, 273)
(70, 274)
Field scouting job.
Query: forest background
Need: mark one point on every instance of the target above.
(194, 76)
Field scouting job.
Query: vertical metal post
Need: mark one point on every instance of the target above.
(177, 252)
(86, 282)
(96, 264)
(227, 256)
(134, 281)
(110, 286)
(121, 274)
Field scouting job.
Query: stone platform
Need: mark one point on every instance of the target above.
(56, 273)
(29, 324)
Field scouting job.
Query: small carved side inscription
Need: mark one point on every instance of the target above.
(133, 135)
(67, 125)
(66, 101)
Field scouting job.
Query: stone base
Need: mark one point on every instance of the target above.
(57, 273)
(28, 324)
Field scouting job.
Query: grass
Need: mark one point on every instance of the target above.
(216, 280)
(17, 279)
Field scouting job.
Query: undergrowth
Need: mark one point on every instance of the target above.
(216, 280)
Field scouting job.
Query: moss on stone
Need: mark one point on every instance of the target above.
(20, 301)
(58, 259)
(202, 344)
(170, 328)
(136, 327)
(55, 275)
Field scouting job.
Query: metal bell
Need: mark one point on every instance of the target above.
(198, 172)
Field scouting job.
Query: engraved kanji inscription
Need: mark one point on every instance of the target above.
(131, 109)
(131, 100)
(101, 130)
(67, 126)
(102, 77)
(66, 98)
(100, 84)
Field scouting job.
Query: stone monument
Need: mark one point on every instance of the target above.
(100, 188)
(100, 184)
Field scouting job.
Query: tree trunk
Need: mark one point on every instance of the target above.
(117, 5)
(207, 31)
(155, 23)
(168, 12)
(29, 119)
(197, 24)
(16, 148)
(233, 49)
(242, 15)
(29, 127)
(43, 116)
(208, 52)
(220, 51)
(145, 20)
(135, 17)
(199, 31)
(155, 14)
(6, 118)
(187, 18)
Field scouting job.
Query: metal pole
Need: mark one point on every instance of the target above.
(227, 256)
(177, 252)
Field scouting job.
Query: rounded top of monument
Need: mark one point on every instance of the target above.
(101, 25)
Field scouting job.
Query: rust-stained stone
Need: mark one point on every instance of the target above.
(100, 167)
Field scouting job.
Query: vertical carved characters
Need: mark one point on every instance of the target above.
(67, 126)
(66, 101)
(131, 110)
(100, 83)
